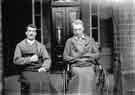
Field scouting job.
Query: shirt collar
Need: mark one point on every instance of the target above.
(82, 37)
(30, 42)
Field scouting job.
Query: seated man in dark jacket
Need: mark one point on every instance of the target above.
(35, 61)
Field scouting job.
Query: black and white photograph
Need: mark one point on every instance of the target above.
(67, 47)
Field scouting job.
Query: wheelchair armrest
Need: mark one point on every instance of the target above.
(68, 65)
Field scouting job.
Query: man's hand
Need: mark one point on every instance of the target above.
(42, 69)
(34, 58)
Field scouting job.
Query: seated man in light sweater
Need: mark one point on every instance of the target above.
(81, 50)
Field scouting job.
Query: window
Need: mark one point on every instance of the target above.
(37, 16)
(94, 22)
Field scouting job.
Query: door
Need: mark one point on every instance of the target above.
(63, 13)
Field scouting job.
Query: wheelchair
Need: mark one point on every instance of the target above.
(100, 76)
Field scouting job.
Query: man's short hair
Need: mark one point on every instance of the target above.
(31, 25)
(77, 22)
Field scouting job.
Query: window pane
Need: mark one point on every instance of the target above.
(95, 34)
(94, 21)
(94, 9)
(38, 37)
(38, 21)
(37, 7)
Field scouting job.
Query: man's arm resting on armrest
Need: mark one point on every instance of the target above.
(91, 55)
(25, 60)
(22, 60)
(18, 58)
(46, 65)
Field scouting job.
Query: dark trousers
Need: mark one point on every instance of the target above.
(36, 83)
(83, 82)
(12, 85)
(42, 83)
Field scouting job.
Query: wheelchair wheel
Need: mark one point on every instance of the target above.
(100, 79)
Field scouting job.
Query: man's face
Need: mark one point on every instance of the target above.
(31, 33)
(78, 30)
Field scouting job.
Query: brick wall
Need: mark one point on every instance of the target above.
(124, 36)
